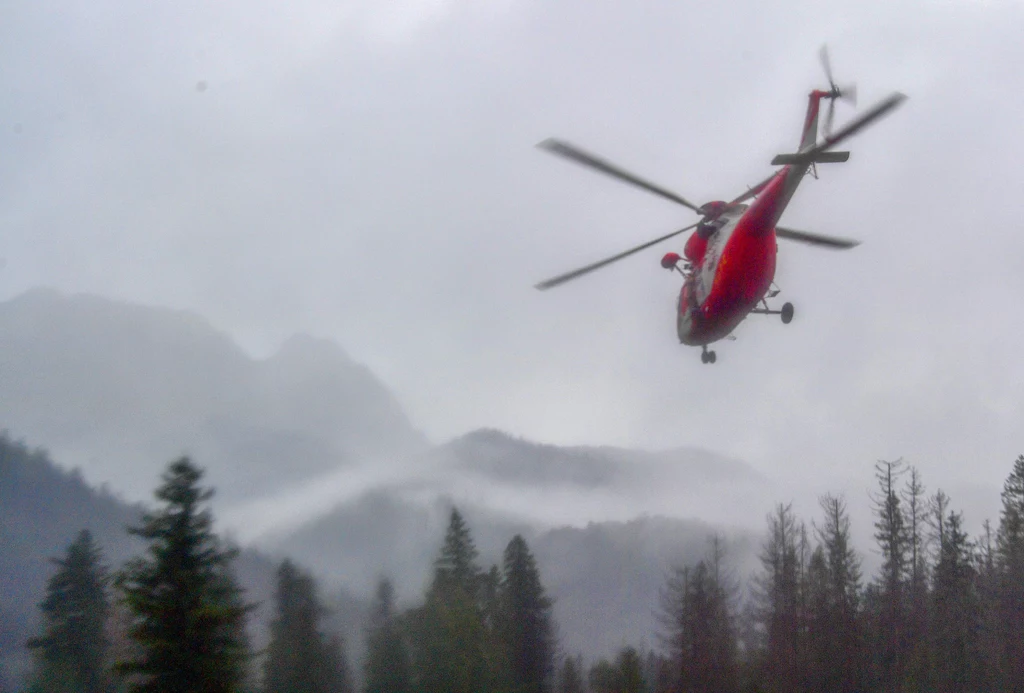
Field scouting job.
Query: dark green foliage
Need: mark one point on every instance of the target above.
(336, 669)
(779, 601)
(526, 626)
(387, 668)
(699, 627)
(631, 671)
(955, 610)
(917, 654)
(891, 535)
(301, 658)
(989, 642)
(604, 677)
(625, 675)
(454, 648)
(570, 676)
(1010, 563)
(71, 651)
(836, 613)
(42, 508)
(456, 567)
(453, 652)
(187, 617)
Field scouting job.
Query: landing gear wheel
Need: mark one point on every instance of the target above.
(787, 313)
(707, 356)
(704, 357)
(711, 357)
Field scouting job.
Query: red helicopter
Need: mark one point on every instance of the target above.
(729, 260)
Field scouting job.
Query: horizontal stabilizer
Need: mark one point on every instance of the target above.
(819, 158)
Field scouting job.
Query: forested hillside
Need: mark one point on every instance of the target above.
(42, 510)
(944, 612)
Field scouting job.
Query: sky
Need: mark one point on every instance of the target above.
(367, 172)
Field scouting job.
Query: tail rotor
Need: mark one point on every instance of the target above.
(848, 93)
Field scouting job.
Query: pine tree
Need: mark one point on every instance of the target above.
(570, 677)
(337, 676)
(917, 667)
(1010, 558)
(955, 609)
(491, 584)
(779, 596)
(300, 657)
(456, 567)
(989, 632)
(526, 622)
(453, 648)
(387, 668)
(699, 626)
(820, 623)
(71, 651)
(840, 629)
(889, 620)
(187, 614)
(605, 677)
(630, 671)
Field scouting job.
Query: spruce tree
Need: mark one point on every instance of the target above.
(989, 630)
(780, 608)
(605, 677)
(630, 668)
(917, 668)
(526, 622)
(71, 651)
(820, 624)
(456, 567)
(337, 674)
(300, 657)
(387, 668)
(1010, 558)
(891, 535)
(842, 628)
(699, 627)
(187, 617)
(570, 676)
(955, 607)
(454, 649)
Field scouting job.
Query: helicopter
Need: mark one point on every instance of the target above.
(728, 262)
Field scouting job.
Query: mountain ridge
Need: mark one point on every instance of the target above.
(172, 383)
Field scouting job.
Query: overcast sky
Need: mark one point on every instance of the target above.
(366, 171)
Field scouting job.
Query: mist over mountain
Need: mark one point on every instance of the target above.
(607, 571)
(608, 574)
(119, 389)
(531, 483)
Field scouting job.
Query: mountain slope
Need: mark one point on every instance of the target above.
(120, 389)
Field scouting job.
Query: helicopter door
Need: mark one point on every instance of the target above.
(716, 244)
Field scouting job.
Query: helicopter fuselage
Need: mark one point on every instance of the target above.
(737, 267)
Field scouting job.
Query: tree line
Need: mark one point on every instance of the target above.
(944, 613)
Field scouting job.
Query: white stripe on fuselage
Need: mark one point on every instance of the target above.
(716, 245)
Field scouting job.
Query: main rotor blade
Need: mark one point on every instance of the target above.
(857, 125)
(573, 153)
(815, 239)
(562, 278)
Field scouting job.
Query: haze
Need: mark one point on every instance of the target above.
(367, 174)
